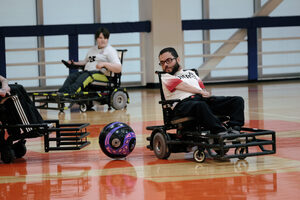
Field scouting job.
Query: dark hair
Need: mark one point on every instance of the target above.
(169, 49)
(104, 31)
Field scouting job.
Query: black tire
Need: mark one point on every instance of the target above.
(118, 100)
(19, 148)
(240, 151)
(218, 151)
(199, 156)
(62, 107)
(7, 154)
(160, 146)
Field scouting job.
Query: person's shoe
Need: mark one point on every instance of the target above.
(237, 128)
(233, 134)
(222, 133)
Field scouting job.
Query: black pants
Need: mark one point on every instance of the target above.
(19, 109)
(206, 109)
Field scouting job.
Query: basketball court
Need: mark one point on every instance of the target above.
(89, 174)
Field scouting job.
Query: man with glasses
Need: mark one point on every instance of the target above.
(196, 101)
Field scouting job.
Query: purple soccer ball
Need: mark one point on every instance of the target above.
(117, 140)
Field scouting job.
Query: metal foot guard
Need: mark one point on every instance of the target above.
(67, 136)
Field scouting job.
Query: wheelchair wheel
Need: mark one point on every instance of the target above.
(7, 154)
(83, 107)
(160, 146)
(19, 148)
(240, 151)
(218, 151)
(199, 156)
(118, 100)
(61, 107)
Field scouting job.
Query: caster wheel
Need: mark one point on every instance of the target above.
(7, 154)
(218, 151)
(61, 107)
(240, 151)
(83, 107)
(160, 146)
(19, 148)
(199, 156)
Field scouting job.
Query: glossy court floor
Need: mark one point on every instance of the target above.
(89, 174)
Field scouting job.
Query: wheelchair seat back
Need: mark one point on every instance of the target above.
(170, 120)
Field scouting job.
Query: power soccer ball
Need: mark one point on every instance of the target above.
(117, 140)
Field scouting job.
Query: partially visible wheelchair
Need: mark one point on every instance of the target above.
(110, 93)
(184, 134)
(16, 127)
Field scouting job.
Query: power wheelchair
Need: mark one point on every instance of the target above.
(109, 93)
(185, 135)
(14, 131)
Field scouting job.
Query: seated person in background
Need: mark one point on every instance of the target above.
(196, 101)
(101, 59)
(17, 108)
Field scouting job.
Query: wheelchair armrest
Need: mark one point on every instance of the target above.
(171, 101)
(72, 65)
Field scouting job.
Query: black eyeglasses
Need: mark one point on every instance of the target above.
(168, 61)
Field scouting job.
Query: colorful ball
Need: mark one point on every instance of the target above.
(117, 140)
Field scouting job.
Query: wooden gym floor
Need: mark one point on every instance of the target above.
(89, 174)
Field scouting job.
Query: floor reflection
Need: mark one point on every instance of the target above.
(116, 186)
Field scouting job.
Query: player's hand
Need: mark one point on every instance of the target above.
(3, 92)
(100, 65)
(205, 94)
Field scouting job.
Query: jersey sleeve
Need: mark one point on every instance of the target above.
(170, 82)
(201, 84)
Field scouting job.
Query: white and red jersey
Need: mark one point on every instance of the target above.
(169, 83)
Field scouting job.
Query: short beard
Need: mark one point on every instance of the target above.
(175, 68)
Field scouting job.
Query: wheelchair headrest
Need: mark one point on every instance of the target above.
(121, 54)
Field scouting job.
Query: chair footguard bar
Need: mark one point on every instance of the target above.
(251, 142)
(46, 99)
(66, 136)
(57, 137)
